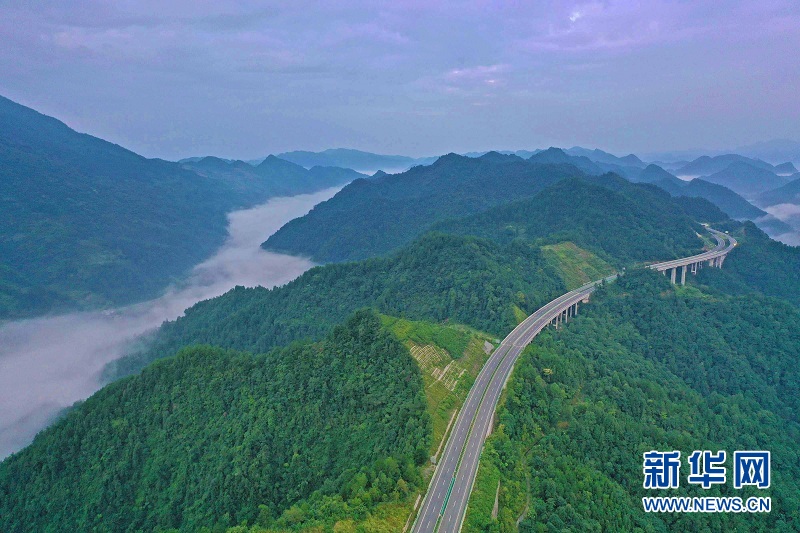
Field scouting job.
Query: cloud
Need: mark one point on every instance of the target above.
(784, 212)
(162, 77)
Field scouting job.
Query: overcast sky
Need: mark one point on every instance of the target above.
(243, 79)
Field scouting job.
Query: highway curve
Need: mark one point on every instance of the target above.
(445, 502)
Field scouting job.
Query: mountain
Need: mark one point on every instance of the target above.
(272, 177)
(758, 265)
(85, 223)
(728, 201)
(785, 194)
(705, 165)
(620, 221)
(373, 217)
(774, 151)
(212, 438)
(654, 174)
(557, 156)
(645, 366)
(450, 275)
(785, 169)
(440, 278)
(354, 159)
(524, 154)
(599, 156)
(746, 179)
(593, 162)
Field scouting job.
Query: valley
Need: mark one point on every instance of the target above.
(47, 364)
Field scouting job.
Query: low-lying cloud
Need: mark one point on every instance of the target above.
(789, 213)
(47, 364)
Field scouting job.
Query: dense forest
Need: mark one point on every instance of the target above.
(728, 201)
(619, 220)
(645, 366)
(758, 265)
(439, 278)
(215, 438)
(369, 218)
(85, 223)
(372, 217)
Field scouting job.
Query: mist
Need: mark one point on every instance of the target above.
(49, 363)
(789, 213)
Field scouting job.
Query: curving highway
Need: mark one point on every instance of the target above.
(445, 502)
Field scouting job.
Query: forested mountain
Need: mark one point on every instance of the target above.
(759, 265)
(785, 168)
(85, 223)
(439, 278)
(557, 156)
(746, 179)
(372, 217)
(355, 159)
(705, 165)
(621, 221)
(655, 174)
(271, 177)
(212, 438)
(728, 201)
(645, 366)
(599, 156)
(785, 194)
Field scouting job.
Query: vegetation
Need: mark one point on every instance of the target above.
(85, 223)
(308, 433)
(728, 201)
(439, 278)
(369, 218)
(759, 265)
(450, 358)
(620, 221)
(576, 265)
(645, 366)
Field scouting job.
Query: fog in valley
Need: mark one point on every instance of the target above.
(789, 213)
(47, 364)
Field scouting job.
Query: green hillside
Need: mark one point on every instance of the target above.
(213, 438)
(645, 366)
(759, 265)
(575, 265)
(746, 179)
(85, 223)
(439, 278)
(621, 221)
(785, 194)
(724, 198)
(369, 218)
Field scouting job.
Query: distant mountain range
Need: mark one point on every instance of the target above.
(727, 179)
(85, 223)
(775, 151)
(369, 218)
(273, 176)
(354, 159)
(785, 194)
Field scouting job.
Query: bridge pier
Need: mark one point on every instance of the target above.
(672, 276)
(683, 274)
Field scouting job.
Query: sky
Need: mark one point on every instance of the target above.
(244, 79)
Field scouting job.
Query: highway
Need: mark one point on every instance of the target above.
(445, 503)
